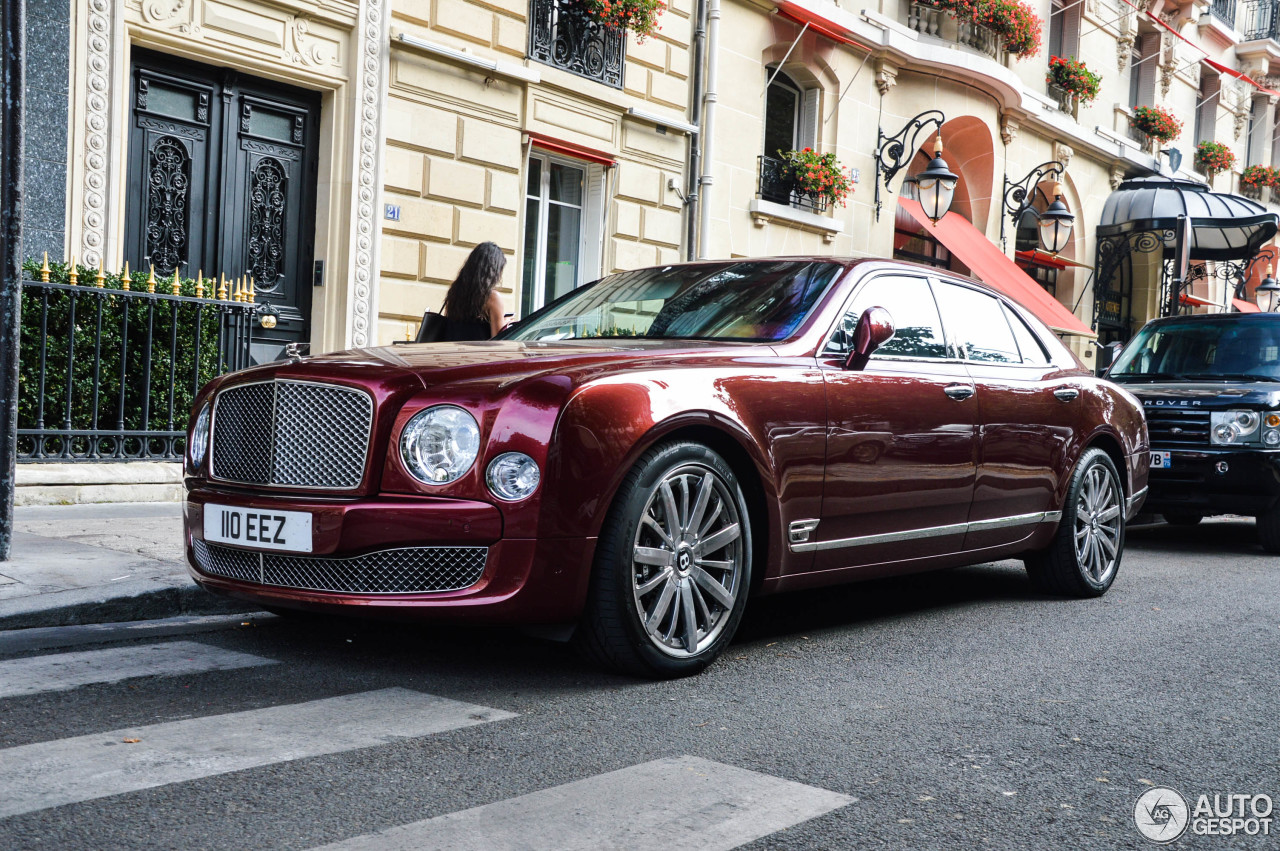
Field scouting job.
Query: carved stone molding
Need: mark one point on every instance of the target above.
(300, 47)
(1008, 129)
(1063, 154)
(174, 14)
(1124, 50)
(93, 176)
(370, 71)
(1168, 62)
(1117, 175)
(886, 77)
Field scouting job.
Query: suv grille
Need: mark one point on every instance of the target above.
(1173, 427)
(411, 570)
(291, 433)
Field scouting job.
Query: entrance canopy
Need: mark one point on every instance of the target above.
(990, 264)
(1223, 226)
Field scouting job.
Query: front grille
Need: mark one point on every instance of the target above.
(292, 434)
(1172, 428)
(411, 570)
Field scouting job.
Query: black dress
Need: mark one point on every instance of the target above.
(457, 331)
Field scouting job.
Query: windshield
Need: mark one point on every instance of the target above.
(1202, 350)
(751, 301)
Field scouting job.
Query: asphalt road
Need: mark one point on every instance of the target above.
(952, 710)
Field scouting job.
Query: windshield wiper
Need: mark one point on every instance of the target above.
(1238, 376)
(1149, 376)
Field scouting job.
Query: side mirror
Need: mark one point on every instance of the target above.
(874, 329)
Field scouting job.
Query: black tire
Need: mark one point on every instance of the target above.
(637, 589)
(1064, 569)
(1182, 518)
(1269, 530)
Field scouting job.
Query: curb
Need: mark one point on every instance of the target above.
(74, 608)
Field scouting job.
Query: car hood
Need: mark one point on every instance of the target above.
(1206, 395)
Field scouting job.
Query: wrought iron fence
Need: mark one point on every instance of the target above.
(1225, 11)
(110, 365)
(1259, 19)
(562, 34)
(777, 184)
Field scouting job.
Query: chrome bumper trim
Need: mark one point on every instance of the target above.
(930, 532)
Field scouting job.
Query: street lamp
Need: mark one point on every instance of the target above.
(1055, 224)
(936, 185)
(1268, 293)
(894, 152)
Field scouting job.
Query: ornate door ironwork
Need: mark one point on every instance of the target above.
(222, 179)
(1113, 282)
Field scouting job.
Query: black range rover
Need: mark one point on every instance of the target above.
(1210, 386)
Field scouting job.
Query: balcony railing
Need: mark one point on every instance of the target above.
(1258, 19)
(562, 34)
(1225, 11)
(777, 185)
(929, 20)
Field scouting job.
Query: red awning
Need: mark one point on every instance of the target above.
(804, 15)
(1232, 72)
(1245, 306)
(559, 146)
(1188, 298)
(995, 269)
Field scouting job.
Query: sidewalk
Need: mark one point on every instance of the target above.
(78, 564)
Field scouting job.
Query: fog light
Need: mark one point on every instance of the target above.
(513, 475)
(1222, 467)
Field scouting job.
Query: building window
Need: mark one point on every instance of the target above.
(1143, 68)
(1207, 107)
(790, 124)
(563, 35)
(1064, 27)
(919, 247)
(563, 223)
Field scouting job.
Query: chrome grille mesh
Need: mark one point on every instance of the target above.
(291, 433)
(411, 570)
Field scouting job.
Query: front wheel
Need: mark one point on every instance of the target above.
(672, 566)
(1084, 556)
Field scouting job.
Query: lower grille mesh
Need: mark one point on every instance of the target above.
(410, 570)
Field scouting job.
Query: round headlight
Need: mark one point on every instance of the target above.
(513, 475)
(1271, 438)
(1225, 432)
(1247, 421)
(200, 436)
(440, 444)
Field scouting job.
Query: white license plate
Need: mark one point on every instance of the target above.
(258, 527)
(1161, 460)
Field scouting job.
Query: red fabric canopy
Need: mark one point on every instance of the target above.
(829, 28)
(996, 270)
(1245, 306)
(1188, 298)
(559, 146)
(1232, 72)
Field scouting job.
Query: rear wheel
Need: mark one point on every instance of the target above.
(1084, 556)
(1179, 518)
(672, 566)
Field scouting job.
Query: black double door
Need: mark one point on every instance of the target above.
(222, 180)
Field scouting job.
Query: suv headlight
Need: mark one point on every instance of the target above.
(1234, 427)
(200, 437)
(439, 444)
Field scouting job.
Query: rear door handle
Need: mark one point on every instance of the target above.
(1066, 394)
(959, 392)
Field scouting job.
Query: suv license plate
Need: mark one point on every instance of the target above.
(258, 528)
(1161, 460)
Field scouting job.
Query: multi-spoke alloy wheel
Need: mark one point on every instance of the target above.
(1084, 555)
(673, 565)
(688, 560)
(1097, 524)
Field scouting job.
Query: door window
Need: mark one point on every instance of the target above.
(1029, 346)
(976, 324)
(917, 327)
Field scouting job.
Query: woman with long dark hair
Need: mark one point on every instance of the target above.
(473, 309)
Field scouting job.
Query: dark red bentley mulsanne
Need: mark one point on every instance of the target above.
(642, 455)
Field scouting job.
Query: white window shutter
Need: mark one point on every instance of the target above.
(807, 135)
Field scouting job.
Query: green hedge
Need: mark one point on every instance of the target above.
(188, 374)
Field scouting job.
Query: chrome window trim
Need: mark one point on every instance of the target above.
(931, 532)
(368, 451)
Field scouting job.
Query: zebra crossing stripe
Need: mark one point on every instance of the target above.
(66, 671)
(680, 802)
(49, 774)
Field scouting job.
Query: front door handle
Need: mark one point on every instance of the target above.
(1066, 394)
(959, 392)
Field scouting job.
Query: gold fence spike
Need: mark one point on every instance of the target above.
(74, 277)
(251, 293)
(177, 287)
(125, 280)
(200, 284)
(222, 289)
(101, 280)
(151, 279)
(45, 270)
